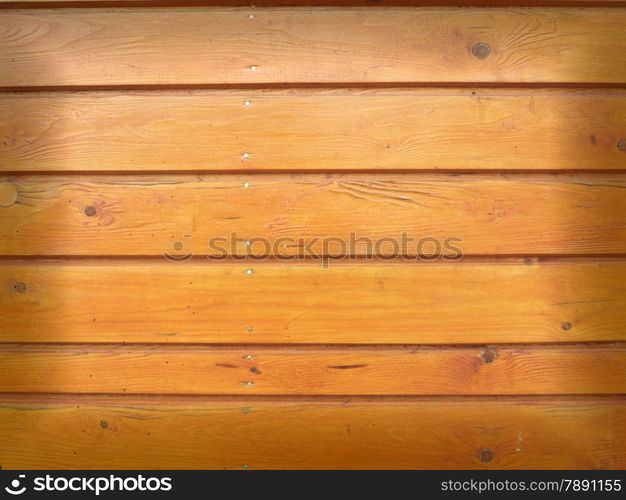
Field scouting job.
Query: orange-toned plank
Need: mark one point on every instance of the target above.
(309, 3)
(289, 215)
(317, 45)
(131, 369)
(420, 129)
(122, 432)
(277, 303)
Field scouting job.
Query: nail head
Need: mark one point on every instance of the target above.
(621, 145)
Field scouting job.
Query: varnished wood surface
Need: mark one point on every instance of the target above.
(262, 370)
(277, 303)
(320, 130)
(119, 432)
(313, 215)
(140, 133)
(308, 3)
(93, 47)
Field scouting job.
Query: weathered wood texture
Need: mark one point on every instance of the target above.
(310, 45)
(111, 354)
(374, 303)
(347, 129)
(259, 370)
(293, 214)
(310, 3)
(126, 433)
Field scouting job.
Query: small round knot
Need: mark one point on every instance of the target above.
(489, 355)
(90, 211)
(621, 145)
(566, 326)
(481, 50)
(485, 456)
(8, 194)
(19, 287)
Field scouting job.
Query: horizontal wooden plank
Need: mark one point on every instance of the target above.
(307, 3)
(126, 433)
(144, 301)
(192, 46)
(419, 129)
(313, 215)
(258, 370)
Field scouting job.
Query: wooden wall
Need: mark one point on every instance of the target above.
(133, 129)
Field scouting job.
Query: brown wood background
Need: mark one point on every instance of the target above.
(128, 127)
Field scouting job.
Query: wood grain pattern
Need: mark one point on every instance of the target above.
(291, 215)
(259, 370)
(127, 433)
(112, 354)
(318, 45)
(363, 304)
(347, 129)
(308, 3)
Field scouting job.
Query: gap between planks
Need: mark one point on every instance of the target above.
(250, 4)
(138, 400)
(347, 260)
(34, 347)
(321, 86)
